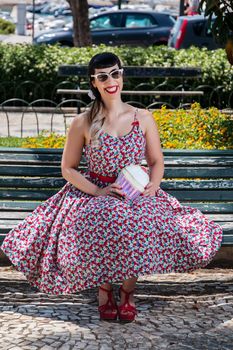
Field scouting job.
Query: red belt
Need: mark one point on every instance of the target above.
(103, 178)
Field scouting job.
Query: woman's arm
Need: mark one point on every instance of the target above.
(72, 155)
(153, 154)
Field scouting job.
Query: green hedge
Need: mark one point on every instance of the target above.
(40, 63)
(6, 27)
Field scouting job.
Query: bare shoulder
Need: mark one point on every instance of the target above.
(80, 122)
(145, 118)
(144, 114)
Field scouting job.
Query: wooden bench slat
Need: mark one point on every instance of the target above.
(137, 92)
(166, 152)
(198, 178)
(45, 159)
(197, 185)
(228, 226)
(182, 195)
(197, 161)
(30, 182)
(197, 152)
(220, 217)
(227, 231)
(19, 215)
(13, 215)
(32, 159)
(210, 208)
(227, 241)
(54, 182)
(181, 172)
(9, 158)
(7, 225)
(27, 195)
(18, 205)
(31, 170)
(201, 195)
(135, 71)
(18, 150)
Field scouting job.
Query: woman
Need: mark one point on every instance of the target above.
(89, 234)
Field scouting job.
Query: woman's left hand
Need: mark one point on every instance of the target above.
(150, 189)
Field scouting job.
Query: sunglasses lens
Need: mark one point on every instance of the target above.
(116, 74)
(102, 77)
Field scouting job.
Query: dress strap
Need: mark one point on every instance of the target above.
(135, 120)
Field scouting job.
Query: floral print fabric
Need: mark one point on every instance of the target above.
(74, 241)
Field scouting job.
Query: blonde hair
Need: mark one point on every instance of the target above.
(96, 120)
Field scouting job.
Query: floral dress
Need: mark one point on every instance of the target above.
(74, 241)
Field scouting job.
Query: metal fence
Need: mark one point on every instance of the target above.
(31, 91)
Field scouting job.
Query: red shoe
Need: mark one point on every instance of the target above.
(108, 311)
(126, 312)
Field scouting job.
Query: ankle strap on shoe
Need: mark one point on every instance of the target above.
(127, 294)
(109, 291)
(110, 303)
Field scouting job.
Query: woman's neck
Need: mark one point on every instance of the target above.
(113, 108)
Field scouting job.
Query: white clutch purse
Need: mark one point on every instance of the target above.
(133, 180)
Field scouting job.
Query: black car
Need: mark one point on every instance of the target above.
(128, 27)
(192, 31)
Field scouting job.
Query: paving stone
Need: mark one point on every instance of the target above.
(176, 312)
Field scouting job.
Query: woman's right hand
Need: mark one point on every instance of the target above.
(114, 190)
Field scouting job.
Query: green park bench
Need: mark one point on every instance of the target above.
(141, 77)
(199, 178)
(80, 71)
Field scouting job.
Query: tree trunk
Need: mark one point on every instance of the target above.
(81, 25)
(181, 9)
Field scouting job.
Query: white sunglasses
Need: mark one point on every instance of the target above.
(116, 74)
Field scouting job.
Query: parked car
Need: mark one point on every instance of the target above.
(36, 8)
(6, 16)
(192, 31)
(128, 27)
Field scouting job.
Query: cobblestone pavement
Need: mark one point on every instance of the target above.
(175, 312)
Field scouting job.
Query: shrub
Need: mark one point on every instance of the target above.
(195, 128)
(40, 63)
(44, 140)
(6, 27)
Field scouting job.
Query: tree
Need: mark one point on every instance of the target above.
(222, 27)
(181, 8)
(81, 24)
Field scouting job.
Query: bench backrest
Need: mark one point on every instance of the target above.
(202, 179)
(136, 71)
(191, 176)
